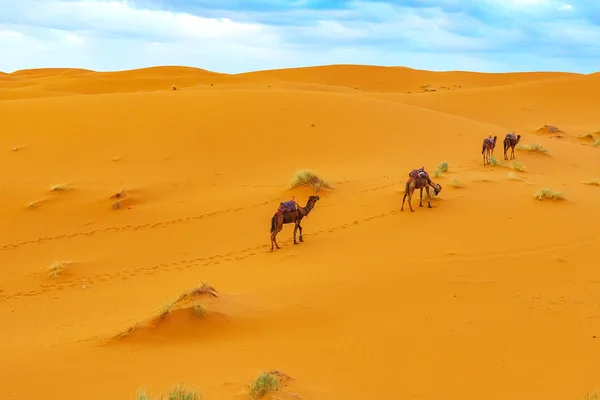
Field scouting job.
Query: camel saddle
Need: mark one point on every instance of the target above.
(418, 173)
(489, 140)
(287, 206)
(511, 136)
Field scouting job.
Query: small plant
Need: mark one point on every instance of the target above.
(533, 148)
(494, 162)
(548, 194)
(456, 183)
(517, 166)
(59, 187)
(57, 268)
(590, 396)
(440, 168)
(309, 178)
(177, 392)
(166, 308)
(443, 166)
(263, 384)
(199, 310)
(513, 176)
(596, 143)
(142, 394)
(593, 182)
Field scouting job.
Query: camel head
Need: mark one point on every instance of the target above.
(518, 138)
(313, 199)
(437, 189)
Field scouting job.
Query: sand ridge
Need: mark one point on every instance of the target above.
(134, 192)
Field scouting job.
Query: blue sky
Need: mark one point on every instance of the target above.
(241, 35)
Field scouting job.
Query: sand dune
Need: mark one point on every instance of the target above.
(119, 194)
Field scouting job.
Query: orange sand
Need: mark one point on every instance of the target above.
(490, 294)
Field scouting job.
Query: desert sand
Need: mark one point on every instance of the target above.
(138, 193)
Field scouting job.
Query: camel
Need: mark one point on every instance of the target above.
(487, 148)
(288, 217)
(510, 141)
(419, 183)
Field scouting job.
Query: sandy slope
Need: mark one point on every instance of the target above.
(489, 293)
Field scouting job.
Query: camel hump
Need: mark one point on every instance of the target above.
(511, 136)
(418, 173)
(287, 206)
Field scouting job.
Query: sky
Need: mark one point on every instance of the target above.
(235, 36)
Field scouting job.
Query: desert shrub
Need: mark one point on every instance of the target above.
(533, 148)
(596, 143)
(456, 183)
(177, 392)
(308, 178)
(517, 166)
(494, 161)
(511, 175)
(263, 384)
(60, 187)
(548, 194)
(57, 268)
(199, 310)
(593, 182)
(440, 168)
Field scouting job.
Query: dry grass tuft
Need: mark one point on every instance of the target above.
(60, 187)
(57, 268)
(177, 392)
(308, 178)
(548, 194)
(265, 383)
(494, 162)
(593, 182)
(440, 169)
(517, 166)
(533, 148)
(456, 183)
(514, 177)
(199, 310)
(596, 143)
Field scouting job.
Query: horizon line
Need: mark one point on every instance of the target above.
(298, 67)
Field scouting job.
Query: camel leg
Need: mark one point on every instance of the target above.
(300, 228)
(410, 201)
(403, 198)
(277, 230)
(512, 153)
(428, 197)
(295, 230)
(421, 197)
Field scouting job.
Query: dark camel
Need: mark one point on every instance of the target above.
(289, 217)
(419, 183)
(510, 141)
(487, 148)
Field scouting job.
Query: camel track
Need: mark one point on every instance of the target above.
(158, 225)
(234, 256)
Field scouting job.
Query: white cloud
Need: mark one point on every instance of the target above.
(109, 35)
